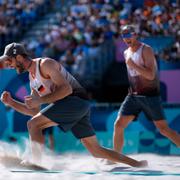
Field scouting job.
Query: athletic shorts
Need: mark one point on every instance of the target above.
(71, 113)
(151, 106)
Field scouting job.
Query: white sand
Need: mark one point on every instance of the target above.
(73, 166)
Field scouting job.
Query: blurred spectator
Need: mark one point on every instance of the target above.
(16, 16)
(84, 35)
(172, 53)
(68, 60)
(79, 66)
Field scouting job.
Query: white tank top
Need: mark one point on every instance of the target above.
(139, 84)
(136, 58)
(45, 86)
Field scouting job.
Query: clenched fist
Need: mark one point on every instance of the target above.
(6, 98)
(130, 62)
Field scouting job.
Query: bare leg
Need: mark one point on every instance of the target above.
(35, 127)
(119, 126)
(168, 132)
(100, 152)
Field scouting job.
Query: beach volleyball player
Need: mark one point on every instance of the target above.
(68, 104)
(144, 90)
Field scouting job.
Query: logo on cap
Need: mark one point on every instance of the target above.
(14, 51)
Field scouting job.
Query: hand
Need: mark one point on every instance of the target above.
(32, 101)
(130, 63)
(6, 98)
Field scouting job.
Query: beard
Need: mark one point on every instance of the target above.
(20, 67)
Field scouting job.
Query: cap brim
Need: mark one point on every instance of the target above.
(3, 58)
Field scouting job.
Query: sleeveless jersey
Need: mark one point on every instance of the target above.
(139, 84)
(45, 86)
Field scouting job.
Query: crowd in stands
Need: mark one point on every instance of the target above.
(89, 31)
(16, 16)
(172, 53)
(90, 23)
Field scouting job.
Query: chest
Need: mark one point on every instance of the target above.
(136, 57)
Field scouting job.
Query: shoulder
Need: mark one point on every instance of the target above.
(49, 67)
(48, 63)
(147, 49)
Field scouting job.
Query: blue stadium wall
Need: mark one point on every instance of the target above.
(140, 136)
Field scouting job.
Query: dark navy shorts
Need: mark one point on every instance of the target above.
(71, 113)
(151, 106)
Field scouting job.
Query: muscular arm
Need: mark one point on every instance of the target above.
(17, 105)
(21, 107)
(148, 71)
(50, 69)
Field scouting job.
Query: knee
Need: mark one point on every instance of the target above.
(31, 124)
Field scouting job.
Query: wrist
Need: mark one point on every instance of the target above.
(11, 103)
